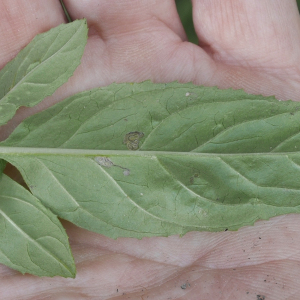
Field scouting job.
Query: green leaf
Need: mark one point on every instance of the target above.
(206, 159)
(161, 194)
(173, 117)
(41, 67)
(32, 240)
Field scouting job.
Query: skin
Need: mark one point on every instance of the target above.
(254, 45)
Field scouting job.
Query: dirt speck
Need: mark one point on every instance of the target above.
(185, 285)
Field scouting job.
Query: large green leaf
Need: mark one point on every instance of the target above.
(32, 240)
(159, 194)
(173, 117)
(41, 67)
(207, 159)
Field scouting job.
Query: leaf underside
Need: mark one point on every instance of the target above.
(207, 159)
(41, 67)
(32, 240)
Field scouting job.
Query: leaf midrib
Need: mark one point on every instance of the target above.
(14, 151)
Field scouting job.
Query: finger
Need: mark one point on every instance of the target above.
(204, 263)
(249, 33)
(113, 18)
(22, 20)
(259, 37)
(132, 41)
(249, 261)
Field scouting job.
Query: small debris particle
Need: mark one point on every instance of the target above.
(187, 94)
(185, 285)
(142, 194)
(260, 297)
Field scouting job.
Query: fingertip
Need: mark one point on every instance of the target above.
(22, 20)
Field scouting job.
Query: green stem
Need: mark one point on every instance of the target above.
(65, 11)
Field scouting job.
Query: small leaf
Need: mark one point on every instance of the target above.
(32, 240)
(41, 67)
(203, 159)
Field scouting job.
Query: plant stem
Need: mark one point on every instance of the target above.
(65, 11)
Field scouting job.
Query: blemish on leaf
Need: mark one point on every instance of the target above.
(192, 178)
(104, 161)
(132, 140)
(126, 172)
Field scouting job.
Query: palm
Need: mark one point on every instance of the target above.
(245, 44)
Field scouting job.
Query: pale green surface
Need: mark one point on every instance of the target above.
(158, 197)
(173, 117)
(32, 240)
(209, 159)
(41, 67)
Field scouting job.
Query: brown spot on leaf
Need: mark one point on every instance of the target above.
(132, 140)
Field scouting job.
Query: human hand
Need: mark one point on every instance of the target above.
(253, 45)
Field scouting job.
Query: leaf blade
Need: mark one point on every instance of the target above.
(32, 239)
(173, 117)
(37, 71)
(160, 201)
(175, 127)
